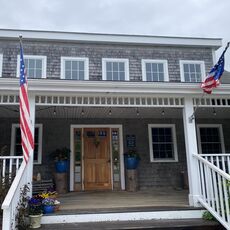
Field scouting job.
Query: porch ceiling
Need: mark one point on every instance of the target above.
(53, 112)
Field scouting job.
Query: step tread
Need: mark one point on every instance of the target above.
(123, 210)
(188, 224)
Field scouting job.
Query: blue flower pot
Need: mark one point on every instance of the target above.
(61, 166)
(131, 162)
(48, 209)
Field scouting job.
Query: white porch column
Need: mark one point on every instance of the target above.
(191, 148)
(31, 158)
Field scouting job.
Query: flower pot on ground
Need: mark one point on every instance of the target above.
(48, 205)
(132, 159)
(35, 211)
(35, 221)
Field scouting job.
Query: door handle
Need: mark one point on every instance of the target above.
(108, 161)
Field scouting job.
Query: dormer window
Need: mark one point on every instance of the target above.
(74, 68)
(192, 71)
(154, 70)
(35, 66)
(115, 69)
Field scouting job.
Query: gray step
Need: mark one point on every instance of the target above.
(185, 224)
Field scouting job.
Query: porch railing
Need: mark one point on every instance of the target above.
(9, 166)
(10, 203)
(214, 182)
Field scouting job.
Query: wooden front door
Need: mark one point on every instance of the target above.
(97, 163)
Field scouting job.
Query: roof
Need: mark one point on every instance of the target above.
(214, 43)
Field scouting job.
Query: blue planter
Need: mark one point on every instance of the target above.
(61, 166)
(131, 162)
(48, 209)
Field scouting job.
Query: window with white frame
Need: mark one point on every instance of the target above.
(1, 62)
(210, 138)
(162, 143)
(35, 66)
(192, 71)
(16, 148)
(115, 69)
(74, 68)
(155, 70)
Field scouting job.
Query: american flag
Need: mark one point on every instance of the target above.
(212, 80)
(27, 140)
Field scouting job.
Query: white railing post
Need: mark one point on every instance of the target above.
(191, 148)
(31, 158)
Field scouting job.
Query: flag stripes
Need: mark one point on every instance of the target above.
(27, 140)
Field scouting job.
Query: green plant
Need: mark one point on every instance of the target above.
(35, 205)
(48, 201)
(22, 209)
(132, 153)
(208, 216)
(60, 154)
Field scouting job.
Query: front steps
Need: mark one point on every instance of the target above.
(184, 224)
(125, 215)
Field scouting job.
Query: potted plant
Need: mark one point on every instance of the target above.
(48, 205)
(132, 159)
(35, 211)
(61, 157)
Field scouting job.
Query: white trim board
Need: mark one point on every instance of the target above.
(111, 38)
(124, 216)
(122, 169)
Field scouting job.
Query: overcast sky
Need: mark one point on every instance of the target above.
(193, 18)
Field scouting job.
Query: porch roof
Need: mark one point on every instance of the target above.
(67, 87)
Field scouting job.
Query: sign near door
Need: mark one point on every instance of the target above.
(131, 141)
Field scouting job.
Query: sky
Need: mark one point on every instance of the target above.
(184, 18)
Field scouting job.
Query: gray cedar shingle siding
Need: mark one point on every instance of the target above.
(95, 53)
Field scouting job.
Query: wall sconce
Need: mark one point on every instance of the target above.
(214, 112)
(54, 112)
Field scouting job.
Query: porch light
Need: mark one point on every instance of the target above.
(162, 112)
(138, 113)
(82, 112)
(110, 112)
(54, 112)
(214, 112)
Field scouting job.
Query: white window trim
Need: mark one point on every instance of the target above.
(210, 126)
(1, 63)
(44, 63)
(126, 61)
(86, 65)
(202, 68)
(173, 127)
(165, 66)
(13, 130)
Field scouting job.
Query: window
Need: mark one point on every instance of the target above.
(35, 66)
(162, 143)
(192, 71)
(155, 70)
(16, 149)
(115, 69)
(210, 139)
(74, 68)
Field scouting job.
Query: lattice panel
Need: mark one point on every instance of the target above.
(110, 101)
(211, 102)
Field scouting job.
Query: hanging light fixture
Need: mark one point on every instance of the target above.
(163, 112)
(54, 112)
(137, 111)
(110, 112)
(82, 112)
(214, 112)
